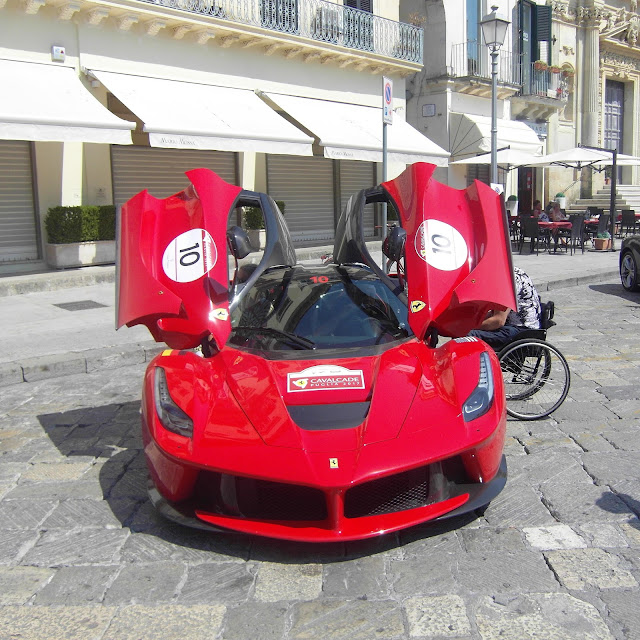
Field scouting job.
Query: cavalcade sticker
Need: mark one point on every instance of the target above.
(325, 378)
(440, 245)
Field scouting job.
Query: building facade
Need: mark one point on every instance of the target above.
(567, 75)
(104, 98)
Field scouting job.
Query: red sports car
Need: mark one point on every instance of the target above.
(312, 403)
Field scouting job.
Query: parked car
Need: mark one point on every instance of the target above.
(629, 262)
(312, 403)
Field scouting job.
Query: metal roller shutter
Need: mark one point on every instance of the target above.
(354, 176)
(161, 171)
(305, 185)
(18, 231)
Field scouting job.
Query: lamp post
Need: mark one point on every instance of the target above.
(494, 30)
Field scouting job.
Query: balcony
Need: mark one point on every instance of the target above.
(471, 70)
(311, 30)
(543, 92)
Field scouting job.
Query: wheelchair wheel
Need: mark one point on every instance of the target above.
(536, 378)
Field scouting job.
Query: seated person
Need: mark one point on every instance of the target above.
(556, 213)
(539, 213)
(501, 327)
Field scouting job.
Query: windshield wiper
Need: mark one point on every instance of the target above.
(293, 338)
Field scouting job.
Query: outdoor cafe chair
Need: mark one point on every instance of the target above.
(627, 223)
(575, 235)
(529, 229)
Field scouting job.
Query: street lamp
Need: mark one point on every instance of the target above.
(494, 30)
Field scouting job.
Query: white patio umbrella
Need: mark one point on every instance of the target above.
(575, 158)
(509, 158)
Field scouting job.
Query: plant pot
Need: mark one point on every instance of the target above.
(80, 254)
(602, 244)
(512, 207)
(562, 201)
(257, 238)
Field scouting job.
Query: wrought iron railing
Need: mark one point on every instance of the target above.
(317, 20)
(472, 59)
(543, 83)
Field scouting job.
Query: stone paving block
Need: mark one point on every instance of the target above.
(362, 578)
(81, 546)
(517, 506)
(56, 472)
(609, 468)
(166, 621)
(133, 484)
(54, 623)
(15, 543)
(477, 540)
(56, 491)
(592, 442)
(10, 373)
(72, 514)
(77, 585)
(628, 391)
(25, 514)
(579, 503)
(19, 584)
(625, 436)
(542, 442)
(625, 409)
(552, 616)
(494, 572)
(276, 582)
(53, 366)
(581, 569)
(558, 536)
(226, 583)
(437, 616)
(356, 620)
(430, 574)
(145, 584)
(631, 531)
(624, 612)
(603, 535)
(561, 467)
(255, 620)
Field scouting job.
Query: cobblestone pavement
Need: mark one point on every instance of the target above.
(555, 556)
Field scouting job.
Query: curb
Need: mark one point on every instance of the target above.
(109, 358)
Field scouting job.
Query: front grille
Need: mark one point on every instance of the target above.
(398, 492)
(259, 499)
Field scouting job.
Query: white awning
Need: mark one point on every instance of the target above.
(201, 116)
(354, 132)
(471, 134)
(48, 102)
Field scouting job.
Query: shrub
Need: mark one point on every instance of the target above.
(84, 223)
(604, 234)
(513, 198)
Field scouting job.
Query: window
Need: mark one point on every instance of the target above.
(362, 5)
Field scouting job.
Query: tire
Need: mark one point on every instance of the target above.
(536, 378)
(629, 271)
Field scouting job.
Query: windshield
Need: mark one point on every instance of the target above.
(331, 307)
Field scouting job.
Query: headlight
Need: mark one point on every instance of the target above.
(481, 399)
(171, 416)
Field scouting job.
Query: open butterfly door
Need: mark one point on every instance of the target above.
(172, 266)
(458, 252)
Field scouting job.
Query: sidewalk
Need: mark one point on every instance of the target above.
(63, 322)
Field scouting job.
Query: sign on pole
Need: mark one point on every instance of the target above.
(387, 101)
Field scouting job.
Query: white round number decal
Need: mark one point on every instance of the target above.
(189, 256)
(440, 245)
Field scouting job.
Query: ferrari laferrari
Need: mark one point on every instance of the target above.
(318, 403)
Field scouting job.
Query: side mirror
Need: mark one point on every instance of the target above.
(397, 240)
(239, 244)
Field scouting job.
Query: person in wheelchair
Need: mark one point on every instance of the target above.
(501, 327)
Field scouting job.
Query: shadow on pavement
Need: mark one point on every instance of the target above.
(617, 290)
(109, 437)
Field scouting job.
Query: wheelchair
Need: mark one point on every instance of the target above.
(535, 374)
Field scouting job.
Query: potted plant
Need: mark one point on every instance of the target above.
(562, 200)
(512, 205)
(80, 235)
(540, 65)
(567, 70)
(554, 68)
(602, 241)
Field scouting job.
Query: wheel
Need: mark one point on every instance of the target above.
(536, 378)
(629, 272)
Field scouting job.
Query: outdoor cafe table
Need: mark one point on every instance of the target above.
(553, 227)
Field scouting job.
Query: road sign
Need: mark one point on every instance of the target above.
(387, 101)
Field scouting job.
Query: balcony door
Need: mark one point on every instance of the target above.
(534, 32)
(358, 25)
(614, 117)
